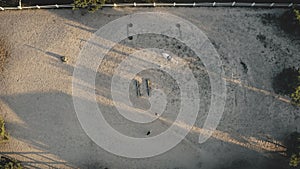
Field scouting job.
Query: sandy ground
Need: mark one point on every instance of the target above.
(36, 98)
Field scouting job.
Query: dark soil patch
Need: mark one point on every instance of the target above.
(245, 67)
(261, 37)
(269, 19)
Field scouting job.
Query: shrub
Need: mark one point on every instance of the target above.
(293, 149)
(297, 14)
(90, 5)
(9, 163)
(3, 133)
(295, 160)
(296, 96)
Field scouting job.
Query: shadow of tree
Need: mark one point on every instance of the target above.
(51, 120)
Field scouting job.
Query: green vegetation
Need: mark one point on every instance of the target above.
(293, 149)
(297, 14)
(90, 5)
(287, 82)
(296, 96)
(295, 160)
(9, 163)
(3, 133)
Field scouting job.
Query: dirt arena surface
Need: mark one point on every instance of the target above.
(36, 90)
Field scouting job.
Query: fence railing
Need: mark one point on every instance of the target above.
(201, 4)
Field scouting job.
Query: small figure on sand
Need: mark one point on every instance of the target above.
(63, 59)
(167, 56)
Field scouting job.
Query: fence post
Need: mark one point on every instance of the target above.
(20, 4)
